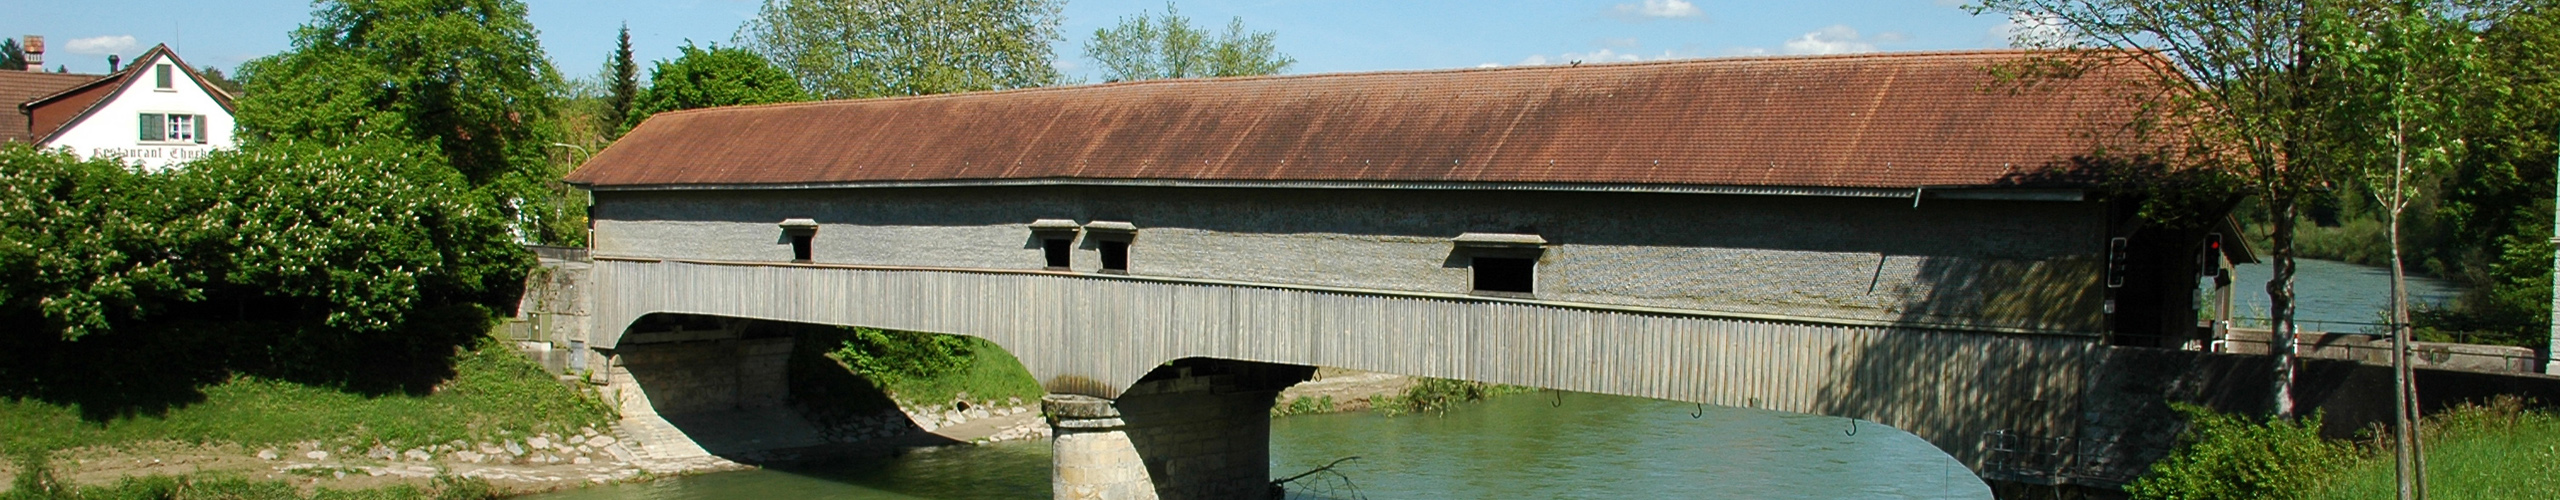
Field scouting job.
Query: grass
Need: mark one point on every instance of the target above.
(990, 375)
(217, 486)
(1438, 395)
(2495, 451)
(493, 393)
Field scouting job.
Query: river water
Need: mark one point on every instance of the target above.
(2334, 296)
(1527, 446)
(1519, 446)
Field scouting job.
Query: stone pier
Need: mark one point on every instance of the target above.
(1193, 430)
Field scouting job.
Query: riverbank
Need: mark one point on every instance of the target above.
(499, 418)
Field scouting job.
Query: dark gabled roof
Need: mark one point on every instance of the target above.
(1892, 120)
(122, 79)
(18, 87)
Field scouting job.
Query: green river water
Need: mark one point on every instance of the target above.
(1519, 446)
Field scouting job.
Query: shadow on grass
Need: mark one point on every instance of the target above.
(151, 369)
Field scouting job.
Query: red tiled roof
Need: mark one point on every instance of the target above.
(18, 87)
(1867, 121)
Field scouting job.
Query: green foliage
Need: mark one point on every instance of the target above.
(1438, 395)
(843, 49)
(223, 487)
(13, 57)
(893, 356)
(360, 266)
(82, 244)
(1304, 406)
(624, 82)
(360, 234)
(2500, 450)
(2235, 457)
(717, 76)
(466, 77)
(220, 81)
(1143, 48)
(920, 368)
(493, 389)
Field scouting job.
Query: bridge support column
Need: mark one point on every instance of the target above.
(1093, 457)
(1189, 431)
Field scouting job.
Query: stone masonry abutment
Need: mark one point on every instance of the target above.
(1194, 429)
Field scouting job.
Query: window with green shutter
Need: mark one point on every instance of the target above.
(154, 127)
(199, 129)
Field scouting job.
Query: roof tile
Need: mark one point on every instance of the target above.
(1868, 121)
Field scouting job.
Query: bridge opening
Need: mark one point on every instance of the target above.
(700, 391)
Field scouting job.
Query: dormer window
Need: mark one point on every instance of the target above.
(1112, 240)
(1501, 264)
(1057, 239)
(803, 234)
(163, 78)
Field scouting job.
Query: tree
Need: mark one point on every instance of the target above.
(625, 84)
(2397, 72)
(81, 247)
(2242, 80)
(220, 81)
(13, 57)
(1140, 48)
(717, 76)
(467, 77)
(843, 49)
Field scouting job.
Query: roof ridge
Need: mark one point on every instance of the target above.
(1703, 61)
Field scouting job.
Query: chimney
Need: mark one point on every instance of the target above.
(34, 49)
(111, 63)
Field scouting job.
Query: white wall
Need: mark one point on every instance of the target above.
(113, 130)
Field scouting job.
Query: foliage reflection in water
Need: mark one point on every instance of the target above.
(1520, 446)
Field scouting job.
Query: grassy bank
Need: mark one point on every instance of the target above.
(2497, 451)
(869, 368)
(219, 487)
(2493, 452)
(493, 392)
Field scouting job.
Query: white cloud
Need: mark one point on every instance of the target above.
(2031, 30)
(101, 45)
(1604, 55)
(1834, 39)
(1617, 42)
(1657, 9)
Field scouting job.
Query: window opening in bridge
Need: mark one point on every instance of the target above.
(1112, 238)
(1056, 250)
(801, 233)
(1115, 256)
(1505, 274)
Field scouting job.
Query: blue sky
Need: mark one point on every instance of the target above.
(1325, 35)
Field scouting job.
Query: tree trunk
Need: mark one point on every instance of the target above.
(2280, 208)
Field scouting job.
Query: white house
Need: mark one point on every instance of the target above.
(158, 113)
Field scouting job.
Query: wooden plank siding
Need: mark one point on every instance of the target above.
(1096, 335)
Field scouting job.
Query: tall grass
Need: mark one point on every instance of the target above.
(2495, 451)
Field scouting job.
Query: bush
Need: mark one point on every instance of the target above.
(363, 267)
(1439, 395)
(889, 357)
(2235, 457)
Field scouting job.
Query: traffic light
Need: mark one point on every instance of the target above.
(2208, 261)
(2116, 258)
